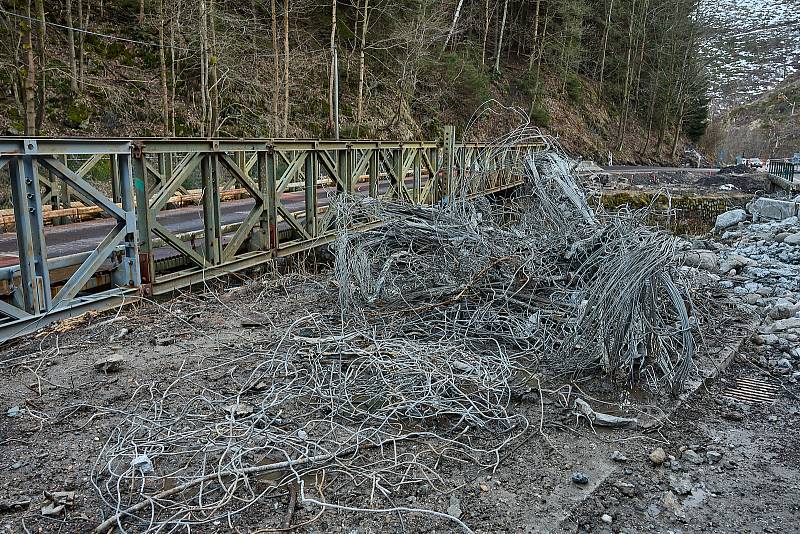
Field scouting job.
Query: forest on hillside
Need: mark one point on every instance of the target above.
(626, 73)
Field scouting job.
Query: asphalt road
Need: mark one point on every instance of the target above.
(63, 240)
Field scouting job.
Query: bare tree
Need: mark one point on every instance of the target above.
(604, 45)
(487, 22)
(453, 25)
(163, 62)
(73, 69)
(285, 68)
(362, 66)
(205, 120)
(499, 50)
(276, 77)
(535, 41)
(332, 75)
(41, 100)
(29, 79)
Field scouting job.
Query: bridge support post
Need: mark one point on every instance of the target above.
(448, 164)
(417, 193)
(116, 193)
(30, 236)
(374, 170)
(128, 273)
(210, 170)
(144, 220)
(269, 219)
(311, 173)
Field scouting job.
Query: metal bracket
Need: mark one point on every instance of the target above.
(31, 146)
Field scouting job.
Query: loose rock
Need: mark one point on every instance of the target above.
(110, 364)
(580, 478)
(658, 456)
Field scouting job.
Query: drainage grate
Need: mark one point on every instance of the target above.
(749, 389)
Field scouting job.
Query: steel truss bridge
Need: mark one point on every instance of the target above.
(98, 223)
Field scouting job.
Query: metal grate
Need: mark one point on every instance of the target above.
(752, 390)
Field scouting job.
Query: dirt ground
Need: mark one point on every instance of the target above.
(52, 432)
(701, 183)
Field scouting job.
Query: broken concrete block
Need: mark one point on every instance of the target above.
(771, 209)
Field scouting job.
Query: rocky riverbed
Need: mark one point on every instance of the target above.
(757, 256)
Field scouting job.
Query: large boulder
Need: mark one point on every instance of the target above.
(792, 239)
(772, 209)
(730, 218)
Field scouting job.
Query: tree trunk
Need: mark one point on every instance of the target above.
(173, 63)
(641, 53)
(333, 65)
(539, 55)
(285, 68)
(604, 46)
(488, 20)
(29, 82)
(141, 11)
(276, 86)
(453, 25)
(214, 91)
(163, 60)
(500, 40)
(623, 118)
(42, 87)
(535, 44)
(81, 39)
(204, 116)
(73, 68)
(362, 67)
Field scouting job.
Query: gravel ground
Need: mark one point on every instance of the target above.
(51, 435)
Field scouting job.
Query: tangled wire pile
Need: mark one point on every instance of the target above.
(559, 285)
(445, 312)
(312, 409)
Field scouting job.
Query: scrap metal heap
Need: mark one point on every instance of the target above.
(446, 312)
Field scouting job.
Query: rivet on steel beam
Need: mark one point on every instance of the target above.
(28, 181)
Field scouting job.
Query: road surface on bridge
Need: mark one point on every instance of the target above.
(63, 240)
(67, 239)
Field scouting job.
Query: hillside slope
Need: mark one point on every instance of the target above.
(767, 127)
(170, 67)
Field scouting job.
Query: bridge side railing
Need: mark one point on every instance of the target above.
(39, 289)
(783, 169)
(243, 203)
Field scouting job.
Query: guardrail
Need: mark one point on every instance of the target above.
(783, 169)
(141, 247)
